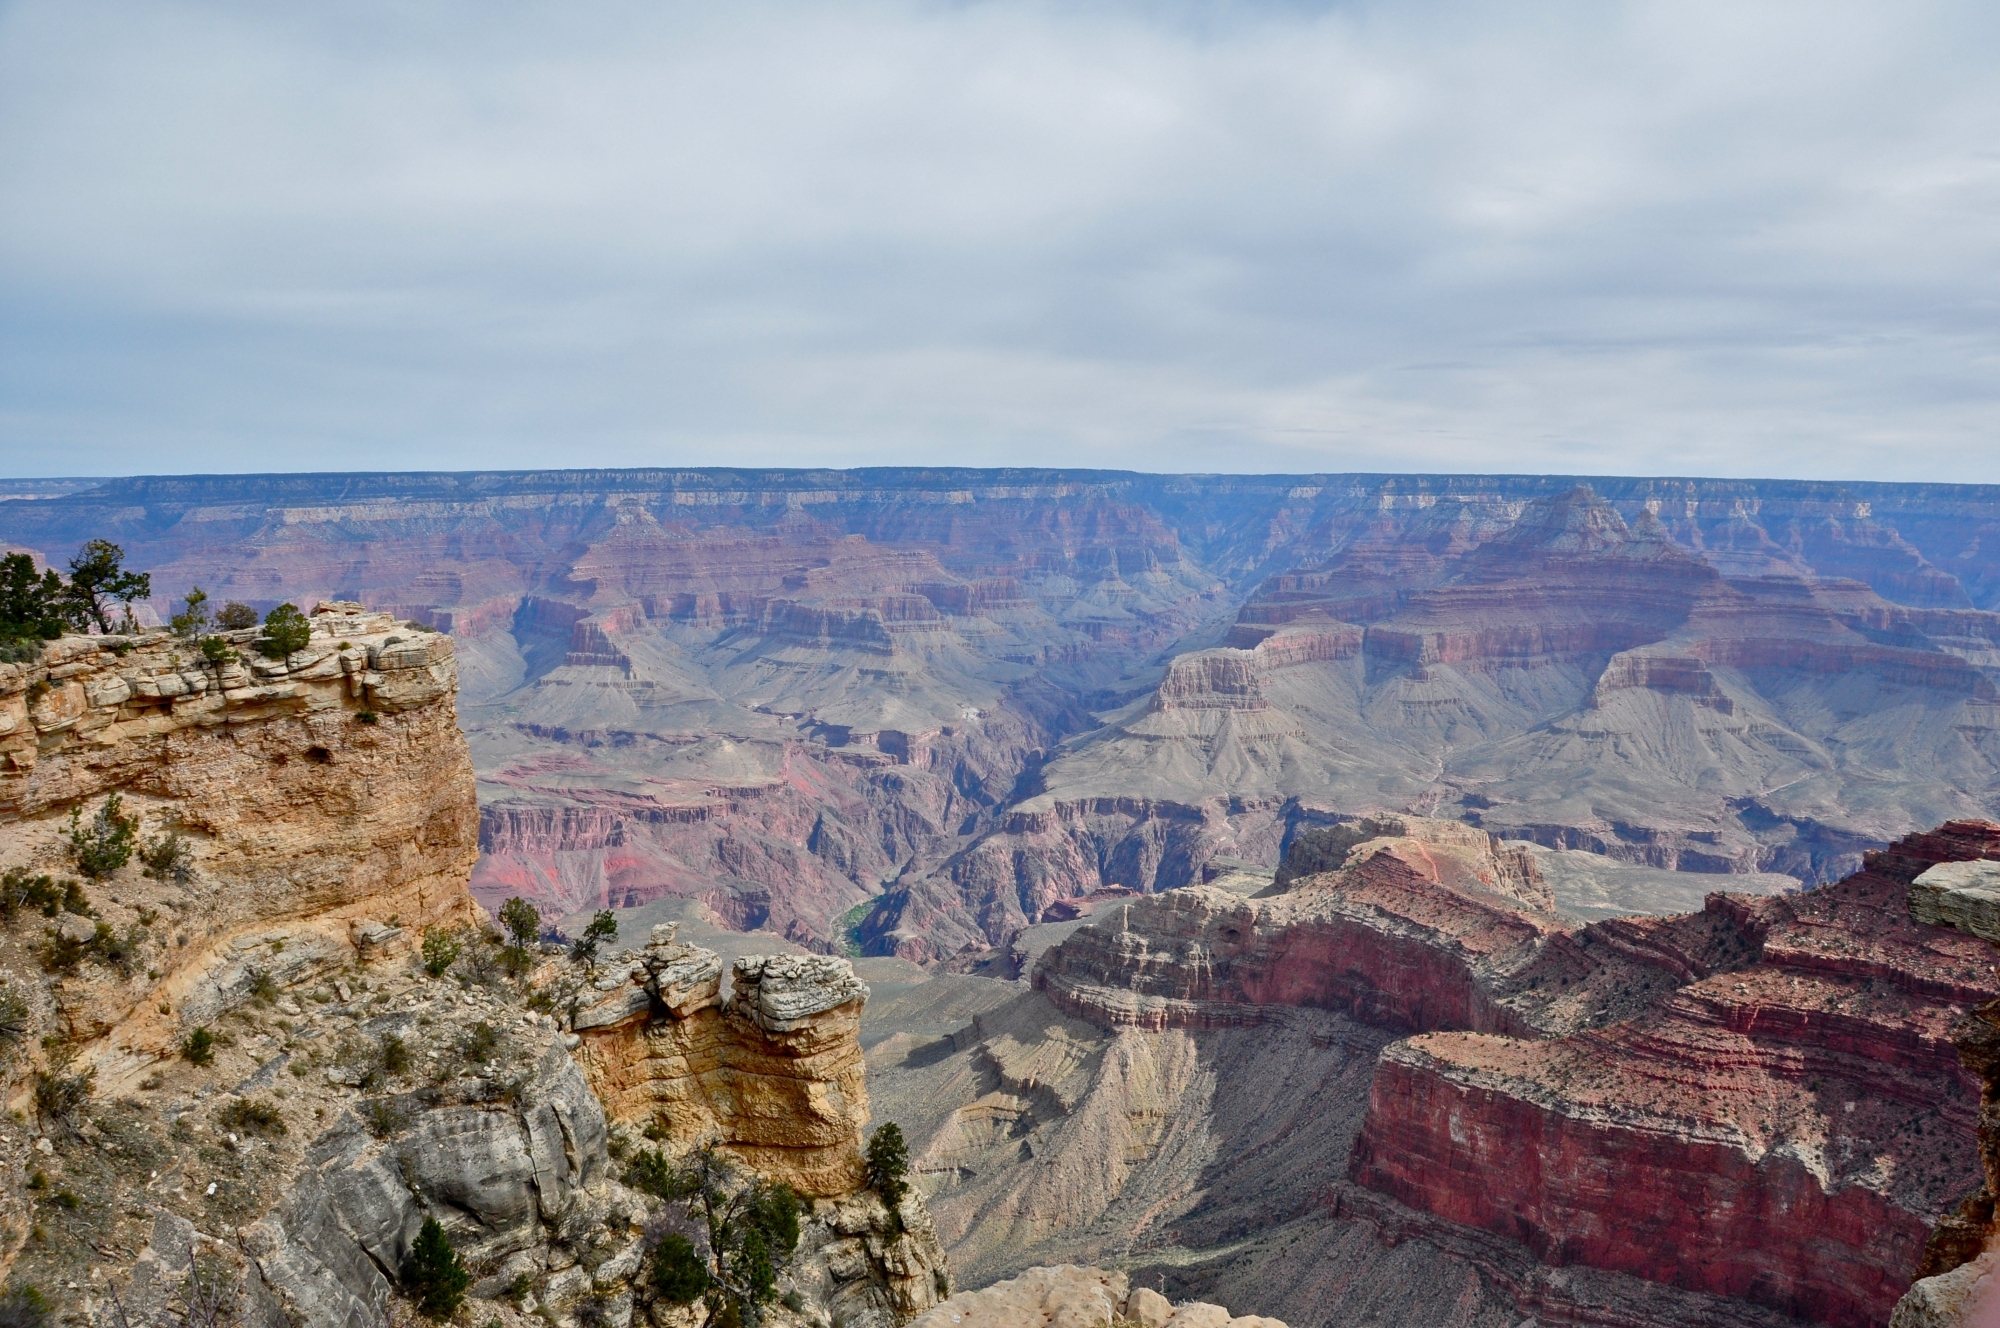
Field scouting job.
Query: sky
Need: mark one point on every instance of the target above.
(1682, 238)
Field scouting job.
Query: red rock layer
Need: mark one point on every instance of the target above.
(1785, 1132)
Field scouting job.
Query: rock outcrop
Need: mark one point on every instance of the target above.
(1957, 1287)
(774, 1072)
(319, 796)
(1068, 1296)
(1782, 1127)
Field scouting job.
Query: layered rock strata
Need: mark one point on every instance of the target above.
(319, 796)
(1958, 1286)
(1068, 1296)
(774, 1072)
(1817, 1160)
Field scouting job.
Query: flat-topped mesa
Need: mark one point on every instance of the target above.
(319, 796)
(1784, 1124)
(774, 1073)
(1403, 922)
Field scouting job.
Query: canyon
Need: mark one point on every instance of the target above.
(1348, 899)
(912, 710)
(1404, 1090)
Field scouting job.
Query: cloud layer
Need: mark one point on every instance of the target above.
(1652, 238)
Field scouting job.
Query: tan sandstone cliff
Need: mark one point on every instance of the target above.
(774, 1073)
(321, 794)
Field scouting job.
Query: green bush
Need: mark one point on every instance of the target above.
(434, 1275)
(21, 1306)
(250, 1117)
(522, 921)
(889, 1167)
(678, 1274)
(19, 890)
(31, 604)
(217, 651)
(198, 1048)
(106, 844)
(168, 857)
(479, 1043)
(236, 616)
(286, 632)
(441, 949)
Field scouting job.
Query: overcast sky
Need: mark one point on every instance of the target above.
(1685, 238)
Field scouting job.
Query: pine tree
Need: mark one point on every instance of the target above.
(434, 1275)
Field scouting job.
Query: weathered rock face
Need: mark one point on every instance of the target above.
(775, 1073)
(1784, 1130)
(1956, 1286)
(1068, 1296)
(317, 793)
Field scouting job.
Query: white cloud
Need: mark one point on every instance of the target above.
(1684, 238)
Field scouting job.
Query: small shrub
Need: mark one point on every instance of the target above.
(434, 1275)
(263, 987)
(520, 1288)
(60, 1095)
(106, 844)
(168, 857)
(286, 632)
(366, 717)
(889, 1167)
(250, 1117)
(22, 1306)
(236, 616)
(679, 1276)
(479, 1043)
(198, 1048)
(19, 890)
(395, 1056)
(383, 1116)
(121, 952)
(16, 1018)
(649, 1172)
(215, 650)
(61, 954)
(441, 950)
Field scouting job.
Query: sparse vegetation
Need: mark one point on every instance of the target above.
(16, 1018)
(215, 650)
(479, 1043)
(168, 857)
(751, 1230)
(286, 632)
(22, 1306)
(198, 1047)
(192, 621)
(441, 949)
(248, 1116)
(31, 605)
(603, 929)
(365, 717)
(395, 1056)
(524, 925)
(434, 1275)
(382, 1115)
(60, 1095)
(106, 843)
(19, 890)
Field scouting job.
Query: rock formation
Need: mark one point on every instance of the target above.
(1956, 1286)
(248, 1070)
(795, 695)
(320, 795)
(1071, 1297)
(1751, 1115)
(774, 1073)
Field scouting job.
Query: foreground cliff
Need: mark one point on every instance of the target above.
(254, 1067)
